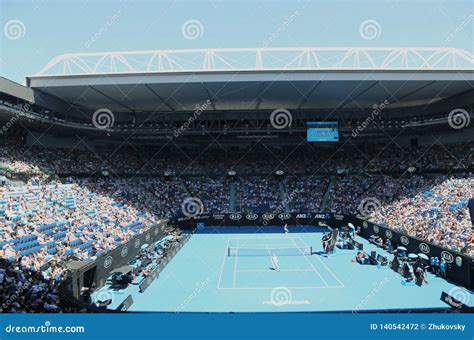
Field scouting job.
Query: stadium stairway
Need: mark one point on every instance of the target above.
(232, 192)
(376, 182)
(284, 196)
(186, 190)
(324, 203)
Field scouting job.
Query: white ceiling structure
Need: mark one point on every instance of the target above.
(256, 78)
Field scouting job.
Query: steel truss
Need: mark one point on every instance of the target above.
(259, 59)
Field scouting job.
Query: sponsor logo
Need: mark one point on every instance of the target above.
(155, 231)
(404, 240)
(459, 261)
(147, 237)
(301, 216)
(108, 261)
(376, 229)
(124, 251)
(268, 216)
(450, 301)
(251, 217)
(338, 217)
(447, 256)
(137, 243)
(388, 233)
(235, 217)
(284, 216)
(218, 216)
(321, 216)
(365, 224)
(424, 248)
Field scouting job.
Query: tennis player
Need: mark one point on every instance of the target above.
(285, 228)
(275, 266)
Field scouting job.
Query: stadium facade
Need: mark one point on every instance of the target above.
(151, 94)
(229, 100)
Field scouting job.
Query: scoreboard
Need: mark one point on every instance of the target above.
(322, 132)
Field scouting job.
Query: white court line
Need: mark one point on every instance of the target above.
(335, 276)
(259, 246)
(306, 258)
(235, 265)
(223, 263)
(327, 268)
(266, 270)
(267, 247)
(262, 238)
(304, 287)
(274, 264)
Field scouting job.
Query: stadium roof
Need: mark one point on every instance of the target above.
(257, 79)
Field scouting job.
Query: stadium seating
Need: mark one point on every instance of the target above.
(46, 221)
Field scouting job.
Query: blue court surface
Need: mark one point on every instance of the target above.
(204, 276)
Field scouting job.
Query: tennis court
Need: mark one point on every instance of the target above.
(248, 264)
(229, 270)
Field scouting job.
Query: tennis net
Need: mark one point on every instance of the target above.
(268, 251)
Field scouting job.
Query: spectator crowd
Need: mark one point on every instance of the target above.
(47, 221)
(304, 160)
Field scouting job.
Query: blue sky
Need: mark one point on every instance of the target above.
(49, 28)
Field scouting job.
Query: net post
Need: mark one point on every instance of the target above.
(228, 251)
